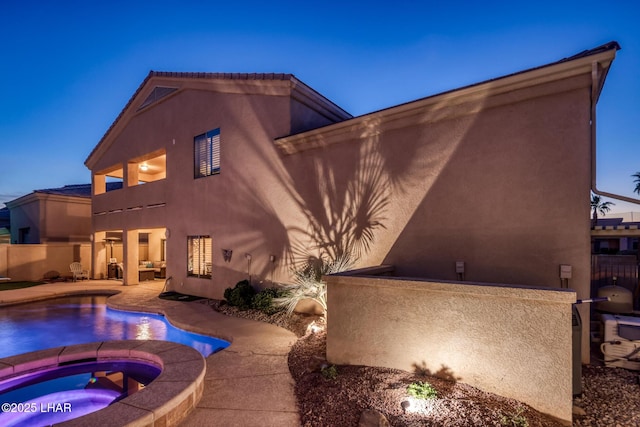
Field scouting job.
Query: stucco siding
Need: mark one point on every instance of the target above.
(512, 341)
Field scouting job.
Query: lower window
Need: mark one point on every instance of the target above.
(199, 256)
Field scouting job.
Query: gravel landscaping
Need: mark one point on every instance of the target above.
(359, 395)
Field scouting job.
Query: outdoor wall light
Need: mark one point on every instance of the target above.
(226, 254)
(248, 257)
(314, 328)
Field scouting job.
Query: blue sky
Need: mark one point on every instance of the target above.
(68, 67)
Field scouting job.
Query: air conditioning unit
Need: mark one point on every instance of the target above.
(621, 344)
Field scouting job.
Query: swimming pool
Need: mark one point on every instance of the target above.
(83, 319)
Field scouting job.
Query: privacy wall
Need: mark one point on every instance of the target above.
(512, 341)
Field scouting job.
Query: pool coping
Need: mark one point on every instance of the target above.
(247, 383)
(167, 400)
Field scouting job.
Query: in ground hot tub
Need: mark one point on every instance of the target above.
(103, 383)
(71, 390)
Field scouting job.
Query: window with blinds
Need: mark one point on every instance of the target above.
(199, 256)
(207, 154)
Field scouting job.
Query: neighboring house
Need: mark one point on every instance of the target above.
(617, 235)
(247, 175)
(52, 215)
(50, 229)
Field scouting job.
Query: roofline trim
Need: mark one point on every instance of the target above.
(567, 67)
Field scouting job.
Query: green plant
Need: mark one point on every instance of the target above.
(7, 286)
(263, 300)
(329, 372)
(598, 206)
(241, 295)
(515, 420)
(422, 390)
(308, 284)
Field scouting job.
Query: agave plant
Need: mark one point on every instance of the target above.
(308, 284)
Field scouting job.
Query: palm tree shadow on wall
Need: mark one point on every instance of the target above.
(343, 207)
(331, 209)
(444, 373)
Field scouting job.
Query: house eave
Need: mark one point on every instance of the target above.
(42, 196)
(474, 96)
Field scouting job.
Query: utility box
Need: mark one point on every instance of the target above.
(621, 345)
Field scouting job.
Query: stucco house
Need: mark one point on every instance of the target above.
(44, 231)
(265, 167)
(246, 175)
(52, 215)
(620, 233)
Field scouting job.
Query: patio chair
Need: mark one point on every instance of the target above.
(78, 271)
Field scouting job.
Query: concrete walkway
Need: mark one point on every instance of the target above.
(248, 383)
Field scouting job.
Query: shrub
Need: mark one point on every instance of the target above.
(329, 372)
(422, 390)
(241, 295)
(308, 282)
(263, 300)
(515, 420)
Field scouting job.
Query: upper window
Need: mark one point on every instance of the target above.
(199, 256)
(206, 149)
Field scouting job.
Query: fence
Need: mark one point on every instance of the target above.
(621, 270)
(42, 261)
(514, 341)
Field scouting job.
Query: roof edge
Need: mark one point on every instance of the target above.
(604, 53)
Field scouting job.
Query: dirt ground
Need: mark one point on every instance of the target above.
(611, 396)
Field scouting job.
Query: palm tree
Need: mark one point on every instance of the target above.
(599, 206)
(637, 181)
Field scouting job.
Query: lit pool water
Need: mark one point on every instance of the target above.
(54, 395)
(78, 320)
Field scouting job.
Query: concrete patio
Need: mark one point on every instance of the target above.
(248, 383)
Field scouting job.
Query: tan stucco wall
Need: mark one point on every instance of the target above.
(26, 215)
(490, 188)
(51, 218)
(512, 341)
(66, 219)
(37, 261)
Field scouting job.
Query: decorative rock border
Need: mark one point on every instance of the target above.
(166, 401)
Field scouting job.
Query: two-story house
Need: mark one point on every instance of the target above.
(245, 175)
(201, 174)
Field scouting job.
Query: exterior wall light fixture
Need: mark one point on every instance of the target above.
(248, 257)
